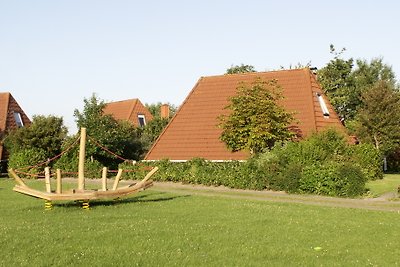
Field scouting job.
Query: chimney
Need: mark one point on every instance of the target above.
(314, 70)
(165, 111)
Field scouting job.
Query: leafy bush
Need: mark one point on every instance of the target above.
(352, 180)
(287, 179)
(369, 158)
(69, 166)
(333, 179)
(313, 165)
(21, 159)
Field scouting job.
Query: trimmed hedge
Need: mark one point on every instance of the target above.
(233, 174)
(333, 179)
(324, 164)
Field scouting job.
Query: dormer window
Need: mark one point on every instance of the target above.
(322, 103)
(18, 119)
(142, 120)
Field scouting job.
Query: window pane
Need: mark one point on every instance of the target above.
(18, 119)
(322, 103)
(142, 120)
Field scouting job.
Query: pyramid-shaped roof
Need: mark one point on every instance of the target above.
(194, 132)
(128, 110)
(9, 108)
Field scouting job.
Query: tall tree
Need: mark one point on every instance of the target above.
(338, 84)
(378, 120)
(367, 73)
(240, 69)
(119, 137)
(256, 120)
(344, 83)
(153, 128)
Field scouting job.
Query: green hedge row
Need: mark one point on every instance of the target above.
(233, 174)
(324, 164)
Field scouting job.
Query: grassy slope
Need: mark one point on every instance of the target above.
(389, 183)
(157, 229)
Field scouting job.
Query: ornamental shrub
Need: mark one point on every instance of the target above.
(313, 165)
(333, 179)
(369, 159)
(23, 158)
(352, 180)
(286, 179)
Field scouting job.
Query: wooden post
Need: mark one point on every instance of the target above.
(119, 174)
(104, 179)
(81, 167)
(47, 179)
(59, 184)
(16, 177)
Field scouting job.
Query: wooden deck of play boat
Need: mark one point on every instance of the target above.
(82, 194)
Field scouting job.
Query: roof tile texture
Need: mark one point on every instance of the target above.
(194, 132)
(128, 110)
(8, 105)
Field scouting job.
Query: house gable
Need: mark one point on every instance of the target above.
(194, 132)
(131, 110)
(11, 117)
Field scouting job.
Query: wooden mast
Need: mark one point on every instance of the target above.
(81, 166)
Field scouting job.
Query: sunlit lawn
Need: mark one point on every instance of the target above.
(390, 183)
(163, 229)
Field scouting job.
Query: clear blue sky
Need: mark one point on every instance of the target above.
(53, 54)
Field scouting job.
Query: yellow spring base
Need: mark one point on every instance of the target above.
(48, 205)
(85, 205)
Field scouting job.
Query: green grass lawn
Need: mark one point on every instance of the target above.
(164, 229)
(389, 183)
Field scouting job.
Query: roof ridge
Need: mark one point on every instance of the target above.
(254, 73)
(310, 76)
(125, 100)
(132, 108)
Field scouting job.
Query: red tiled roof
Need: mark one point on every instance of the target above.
(8, 106)
(128, 110)
(193, 131)
(4, 99)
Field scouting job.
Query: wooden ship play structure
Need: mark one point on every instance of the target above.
(80, 194)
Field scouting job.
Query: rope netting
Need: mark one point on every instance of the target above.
(97, 143)
(106, 149)
(25, 170)
(46, 162)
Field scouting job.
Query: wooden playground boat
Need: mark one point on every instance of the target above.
(81, 194)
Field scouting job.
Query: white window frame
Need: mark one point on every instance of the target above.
(322, 103)
(141, 116)
(18, 119)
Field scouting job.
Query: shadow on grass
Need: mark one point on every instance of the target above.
(145, 198)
